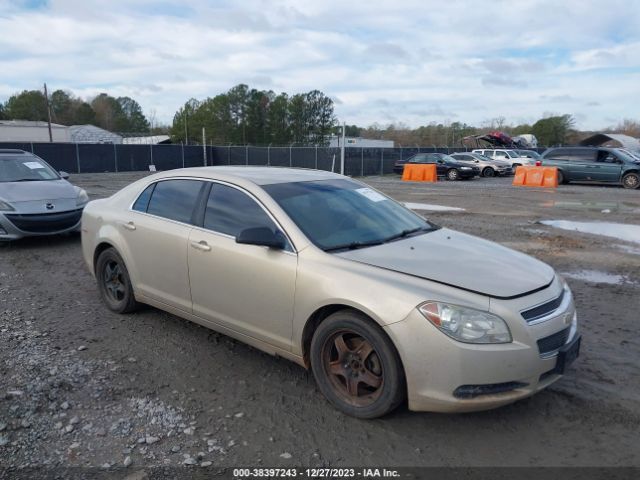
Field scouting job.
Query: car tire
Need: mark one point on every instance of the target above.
(453, 174)
(561, 179)
(356, 366)
(488, 172)
(631, 180)
(114, 282)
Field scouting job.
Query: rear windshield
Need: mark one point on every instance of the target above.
(25, 168)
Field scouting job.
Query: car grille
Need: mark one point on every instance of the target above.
(552, 343)
(45, 222)
(543, 310)
(472, 391)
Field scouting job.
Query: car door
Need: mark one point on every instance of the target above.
(582, 165)
(247, 288)
(157, 236)
(609, 167)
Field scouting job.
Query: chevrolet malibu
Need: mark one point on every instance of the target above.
(381, 304)
(35, 199)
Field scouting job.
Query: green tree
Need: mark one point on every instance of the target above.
(320, 117)
(83, 114)
(298, 119)
(182, 128)
(27, 105)
(131, 118)
(553, 130)
(278, 120)
(108, 112)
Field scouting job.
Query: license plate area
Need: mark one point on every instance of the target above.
(567, 355)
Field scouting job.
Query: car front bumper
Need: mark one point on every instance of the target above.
(445, 375)
(14, 225)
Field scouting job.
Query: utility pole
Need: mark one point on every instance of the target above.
(344, 127)
(46, 96)
(204, 147)
(186, 132)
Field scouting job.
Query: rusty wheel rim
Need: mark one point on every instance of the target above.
(353, 368)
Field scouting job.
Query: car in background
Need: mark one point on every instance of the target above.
(593, 164)
(379, 303)
(35, 199)
(445, 166)
(488, 166)
(529, 154)
(508, 155)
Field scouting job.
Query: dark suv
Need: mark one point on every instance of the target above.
(593, 164)
(445, 166)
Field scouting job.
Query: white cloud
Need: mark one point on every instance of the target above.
(408, 61)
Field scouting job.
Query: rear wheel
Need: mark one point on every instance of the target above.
(453, 174)
(631, 180)
(488, 172)
(114, 282)
(356, 366)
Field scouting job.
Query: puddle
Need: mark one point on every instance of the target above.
(596, 276)
(620, 231)
(432, 208)
(628, 249)
(603, 207)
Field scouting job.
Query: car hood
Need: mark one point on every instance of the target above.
(39, 190)
(460, 260)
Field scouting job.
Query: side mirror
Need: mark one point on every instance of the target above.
(64, 175)
(440, 161)
(262, 236)
(477, 161)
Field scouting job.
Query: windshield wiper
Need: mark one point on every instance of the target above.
(407, 232)
(26, 180)
(354, 245)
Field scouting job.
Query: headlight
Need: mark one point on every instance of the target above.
(82, 197)
(5, 207)
(466, 324)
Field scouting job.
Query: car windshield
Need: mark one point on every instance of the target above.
(344, 215)
(635, 156)
(25, 168)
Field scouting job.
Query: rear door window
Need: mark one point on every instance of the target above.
(175, 199)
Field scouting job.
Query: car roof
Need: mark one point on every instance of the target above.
(257, 175)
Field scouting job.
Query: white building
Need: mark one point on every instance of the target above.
(359, 142)
(30, 131)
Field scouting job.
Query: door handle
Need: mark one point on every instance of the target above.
(201, 245)
(129, 226)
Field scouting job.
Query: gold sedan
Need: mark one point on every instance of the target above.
(321, 269)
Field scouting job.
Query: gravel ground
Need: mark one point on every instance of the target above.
(83, 387)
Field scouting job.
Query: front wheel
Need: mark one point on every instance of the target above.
(114, 282)
(631, 180)
(453, 174)
(356, 366)
(488, 172)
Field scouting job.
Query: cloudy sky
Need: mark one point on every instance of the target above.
(384, 61)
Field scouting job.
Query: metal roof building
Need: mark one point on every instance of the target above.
(92, 134)
(32, 131)
(612, 140)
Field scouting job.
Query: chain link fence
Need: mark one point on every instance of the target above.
(103, 157)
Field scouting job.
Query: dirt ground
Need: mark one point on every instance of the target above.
(81, 386)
